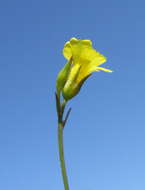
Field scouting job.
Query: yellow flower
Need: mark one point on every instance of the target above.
(84, 61)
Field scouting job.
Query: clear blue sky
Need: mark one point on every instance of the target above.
(105, 136)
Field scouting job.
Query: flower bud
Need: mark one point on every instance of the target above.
(62, 77)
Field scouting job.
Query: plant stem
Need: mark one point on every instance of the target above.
(61, 155)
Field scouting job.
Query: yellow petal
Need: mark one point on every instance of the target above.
(73, 73)
(103, 69)
(87, 43)
(74, 41)
(90, 67)
(67, 51)
(82, 52)
(85, 71)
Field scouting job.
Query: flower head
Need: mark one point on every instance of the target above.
(84, 61)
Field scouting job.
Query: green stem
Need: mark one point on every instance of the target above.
(61, 155)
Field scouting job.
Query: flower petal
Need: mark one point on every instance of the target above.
(74, 41)
(103, 69)
(67, 51)
(87, 43)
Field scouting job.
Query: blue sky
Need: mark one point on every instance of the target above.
(105, 136)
